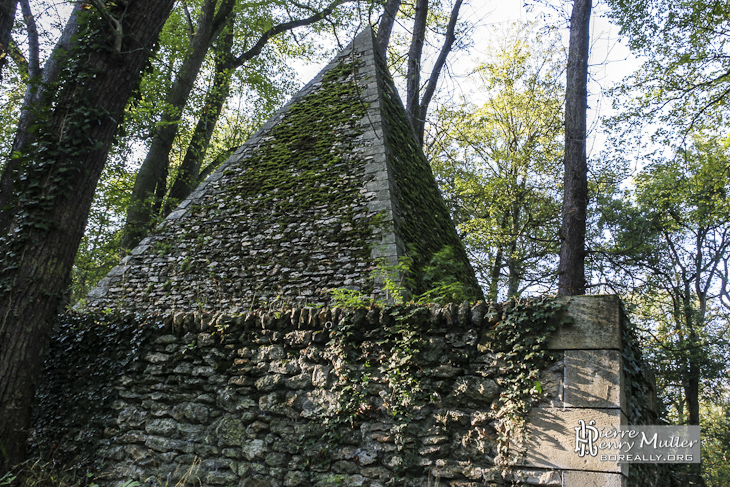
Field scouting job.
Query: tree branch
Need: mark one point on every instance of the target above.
(436, 71)
(191, 26)
(385, 27)
(286, 26)
(220, 18)
(413, 73)
(33, 50)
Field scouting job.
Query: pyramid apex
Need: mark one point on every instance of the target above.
(333, 186)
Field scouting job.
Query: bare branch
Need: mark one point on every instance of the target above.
(436, 71)
(283, 27)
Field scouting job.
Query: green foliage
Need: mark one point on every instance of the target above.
(98, 251)
(349, 298)
(716, 444)
(38, 473)
(499, 164)
(12, 89)
(441, 283)
(521, 333)
(683, 80)
(640, 402)
(99, 347)
(667, 247)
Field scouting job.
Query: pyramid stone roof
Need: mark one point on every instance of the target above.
(331, 186)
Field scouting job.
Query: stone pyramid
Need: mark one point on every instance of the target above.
(331, 187)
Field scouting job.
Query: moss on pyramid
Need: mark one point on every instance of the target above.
(334, 184)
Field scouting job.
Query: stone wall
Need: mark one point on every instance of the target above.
(404, 395)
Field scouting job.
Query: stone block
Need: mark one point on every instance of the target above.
(593, 379)
(596, 324)
(572, 478)
(551, 478)
(551, 438)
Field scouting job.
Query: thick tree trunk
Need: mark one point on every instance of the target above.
(152, 176)
(7, 18)
(188, 175)
(34, 93)
(55, 181)
(571, 270)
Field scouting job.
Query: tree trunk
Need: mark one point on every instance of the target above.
(413, 73)
(571, 270)
(188, 175)
(54, 184)
(417, 104)
(34, 93)
(7, 18)
(420, 120)
(385, 27)
(152, 176)
(513, 263)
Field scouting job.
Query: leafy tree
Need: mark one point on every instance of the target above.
(499, 164)
(61, 147)
(716, 443)
(683, 82)
(670, 244)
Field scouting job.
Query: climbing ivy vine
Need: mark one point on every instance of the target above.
(515, 332)
(521, 331)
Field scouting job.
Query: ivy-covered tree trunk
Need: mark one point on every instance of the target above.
(32, 102)
(53, 183)
(571, 270)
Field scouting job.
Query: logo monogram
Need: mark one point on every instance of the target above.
(585, 436)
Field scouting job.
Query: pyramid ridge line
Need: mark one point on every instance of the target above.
(295, 212)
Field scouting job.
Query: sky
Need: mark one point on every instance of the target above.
(610, 60)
